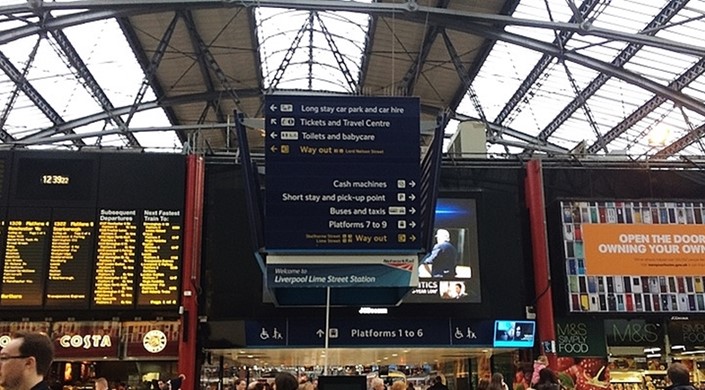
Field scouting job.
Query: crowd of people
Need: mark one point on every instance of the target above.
(26, 359)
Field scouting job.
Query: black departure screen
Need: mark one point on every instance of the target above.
(91, 230)
(70, 258)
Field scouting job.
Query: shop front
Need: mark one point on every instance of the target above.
(130, 355)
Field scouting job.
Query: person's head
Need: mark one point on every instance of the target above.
(497, 378)
(101, 384)
(442, 235)
(240, 384)
(377, 384)
(543, 359)
(483, 384)
(438, 380)
(459, 288)
(285, 381)
(399, 385)
(678, 374)
(546, 375)
(25, 360)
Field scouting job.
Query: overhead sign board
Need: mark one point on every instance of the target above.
(342, 271)
(353, 332)
(342, 173)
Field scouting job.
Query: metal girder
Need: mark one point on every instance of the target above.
(145, 64)
(496, 128)
(256, 55)
(338, 57)
(164, 103)
(681, 143)
(33, 94)
(597, 65)
(409, 79)
(585, 8)
(151, 70)
(463, 75)
(409, 11)
(367, 52)
(287, 57)
(640, 113)
(622, 58)
(91, 83)
(202, 55)
(4, 135)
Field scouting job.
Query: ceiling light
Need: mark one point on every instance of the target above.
(395, 355)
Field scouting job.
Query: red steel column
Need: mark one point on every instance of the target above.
(191, 269)
(542, 280)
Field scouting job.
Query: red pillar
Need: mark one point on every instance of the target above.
(191, 269)
(542, 279)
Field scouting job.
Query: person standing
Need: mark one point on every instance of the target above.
(679, 376)
(101, 384)
(285, 381)
(438, 384)
(25, 361)
(547, 380)
(443, 257)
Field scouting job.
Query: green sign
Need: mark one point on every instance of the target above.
(580, 338)
(630, 333)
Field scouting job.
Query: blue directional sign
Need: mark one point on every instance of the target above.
(367, 331)
(342, 173)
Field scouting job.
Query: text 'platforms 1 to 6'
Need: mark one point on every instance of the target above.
(342, 172)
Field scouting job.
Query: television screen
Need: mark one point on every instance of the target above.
(514, 334)
(355, 382)
(449, 273)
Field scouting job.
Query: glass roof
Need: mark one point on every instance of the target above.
(563, 102)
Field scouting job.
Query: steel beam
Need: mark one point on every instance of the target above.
(146, 64)
(622, 58)
(352, 83)
(16, 76)
(680, 143)
(640, 113)
(585, 8)
(201, 58)
(91, 83)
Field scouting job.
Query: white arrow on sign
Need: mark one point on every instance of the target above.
(412, 224)
(273, 135)
(412, 184)
(412, 196)
(320, 333)
(272, 107)
(412, 210)
(273, 149)
(273, 121)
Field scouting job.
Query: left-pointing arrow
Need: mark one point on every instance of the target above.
(273, 135)
(273, 107)
(273, 149)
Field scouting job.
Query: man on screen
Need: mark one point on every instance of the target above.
(443, 256)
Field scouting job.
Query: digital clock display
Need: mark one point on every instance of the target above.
(55, 179)
(42, 181)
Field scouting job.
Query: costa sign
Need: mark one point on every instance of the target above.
(73, 340)
(86, 341)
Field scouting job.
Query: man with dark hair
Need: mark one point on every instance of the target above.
(679, 376)
(438, 384)
(285, 381)
(25, 361)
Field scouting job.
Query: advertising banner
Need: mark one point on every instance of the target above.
(630, 333)
(86, 340)
(629, 256)
(686, 333)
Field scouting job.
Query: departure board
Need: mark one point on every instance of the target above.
(115, 263)
(26, 237)
(90, 230)
(71, 254)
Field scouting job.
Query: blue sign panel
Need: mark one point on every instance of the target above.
(266, 333)
(369, 332)
(342, 173)
(474, 333)
(341, 271)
